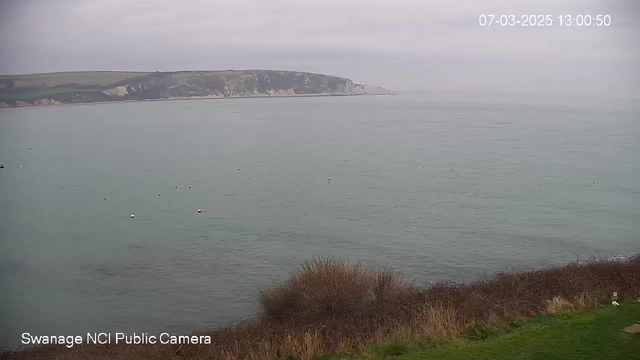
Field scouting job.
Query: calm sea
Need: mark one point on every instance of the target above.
(441, 188)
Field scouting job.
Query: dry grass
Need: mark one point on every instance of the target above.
(332, 306)
(559, 305)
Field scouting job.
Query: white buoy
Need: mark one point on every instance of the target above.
(132, 216)
(20, 165)
(199, 211)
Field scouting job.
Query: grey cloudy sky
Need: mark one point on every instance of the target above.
(399, 44)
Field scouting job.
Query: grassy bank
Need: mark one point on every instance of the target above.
(579, 335)
(329, 306)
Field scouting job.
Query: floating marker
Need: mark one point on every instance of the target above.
(158, 194)
(132, 216)
(105, 198)
(176, 187)
(199, 211)
(189, 187)
(29, 148)
(20, 165)
(76, 185)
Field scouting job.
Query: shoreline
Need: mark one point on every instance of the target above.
(189, 98)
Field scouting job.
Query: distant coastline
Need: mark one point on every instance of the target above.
(188, 99)
(51, 89)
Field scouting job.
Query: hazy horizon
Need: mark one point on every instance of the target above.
(405, 45)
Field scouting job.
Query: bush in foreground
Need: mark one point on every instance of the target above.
(331, 289)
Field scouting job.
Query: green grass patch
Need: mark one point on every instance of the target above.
(76, 77)
(593, 335)
(34, 94)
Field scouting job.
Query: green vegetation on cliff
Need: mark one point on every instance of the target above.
(85, 87)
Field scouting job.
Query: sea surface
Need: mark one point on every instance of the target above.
(440, 187)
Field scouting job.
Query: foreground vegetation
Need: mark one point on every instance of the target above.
(330, 306)
(572, 335)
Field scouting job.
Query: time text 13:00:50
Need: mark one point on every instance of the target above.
(545, 20)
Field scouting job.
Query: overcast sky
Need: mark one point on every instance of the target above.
(399, 44)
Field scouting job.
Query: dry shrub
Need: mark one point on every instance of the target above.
(306, 346)
(388, 283)
(584, 301)
(434, 321)
(525, 293)
(330, 288)
(559, 305)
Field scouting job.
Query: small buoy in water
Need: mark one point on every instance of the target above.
(29, 148)
(76, 185)
(105, 198)
(238, 169)
(176, 187)
(1, 166)
(562, 164)
(594, 182)
(199, 211)
(20, 165)
(132, 216)
(158, 194)
(189, 187)
(62, 188)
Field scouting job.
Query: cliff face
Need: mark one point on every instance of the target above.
(20, 90)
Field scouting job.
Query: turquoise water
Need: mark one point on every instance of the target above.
(446, 189)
